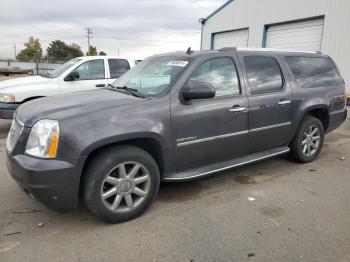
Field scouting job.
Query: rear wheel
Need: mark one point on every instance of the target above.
(308, 140)
(121, 183)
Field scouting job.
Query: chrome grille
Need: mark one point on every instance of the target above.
(14, 133)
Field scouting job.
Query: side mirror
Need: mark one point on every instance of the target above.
(197, 90)
(72, 76)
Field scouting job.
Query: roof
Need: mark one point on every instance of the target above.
(219, 9)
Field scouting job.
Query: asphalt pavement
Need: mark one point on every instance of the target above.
(275, 210)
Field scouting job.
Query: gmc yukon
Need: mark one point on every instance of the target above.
(174, 117)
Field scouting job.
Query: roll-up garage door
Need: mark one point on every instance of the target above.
(305, 35)
(236, 38)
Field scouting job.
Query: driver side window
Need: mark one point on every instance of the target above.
(91, 70)
(221, 73)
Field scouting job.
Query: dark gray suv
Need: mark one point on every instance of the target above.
(174, 117)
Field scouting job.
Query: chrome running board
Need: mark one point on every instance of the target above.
(195, 173)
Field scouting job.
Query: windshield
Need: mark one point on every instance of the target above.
(62, 68)
(152, 76)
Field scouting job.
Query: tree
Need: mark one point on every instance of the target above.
(92, 51)
(102, 53)
(57, 50)
(75, 50)
(60, 51)
(32, 50)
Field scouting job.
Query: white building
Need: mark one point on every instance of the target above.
(322, 25)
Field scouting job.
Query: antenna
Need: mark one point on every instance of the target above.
(189, 51)
(15, 48)
(89, 36)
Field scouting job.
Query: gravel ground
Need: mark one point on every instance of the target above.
(298, 213)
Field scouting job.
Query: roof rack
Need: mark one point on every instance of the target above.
(228, 49)
(266, 50)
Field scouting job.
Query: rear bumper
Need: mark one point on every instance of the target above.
(55, 183)
(336, 119)
(7, 110)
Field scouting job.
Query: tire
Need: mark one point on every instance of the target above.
(113, 175)
(302, 140)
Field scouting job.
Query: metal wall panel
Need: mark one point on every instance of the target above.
(257, 15)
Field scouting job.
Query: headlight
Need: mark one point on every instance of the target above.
(43, 139)
(7, 98)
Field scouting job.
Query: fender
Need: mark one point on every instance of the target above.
(125, 137)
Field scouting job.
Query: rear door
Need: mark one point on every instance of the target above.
(270, 113)
(92, 75)
(208, 130)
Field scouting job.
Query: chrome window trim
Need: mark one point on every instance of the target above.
(231, 134)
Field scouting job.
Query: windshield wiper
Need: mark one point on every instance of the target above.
(131, 91)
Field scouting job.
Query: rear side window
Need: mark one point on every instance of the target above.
(117, 67)
(263, 74)
(313, 71)
(221, 73)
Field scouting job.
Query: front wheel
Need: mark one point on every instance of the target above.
(308, 140)
(121, 183)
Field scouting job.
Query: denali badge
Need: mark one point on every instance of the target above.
(185, 139)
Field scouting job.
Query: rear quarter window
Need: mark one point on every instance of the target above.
(314, 71)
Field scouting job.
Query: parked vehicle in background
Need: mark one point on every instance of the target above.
(174, 117)
(78, 74)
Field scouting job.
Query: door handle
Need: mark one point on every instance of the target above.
(284, 102)
(237, 109)
(100, 85)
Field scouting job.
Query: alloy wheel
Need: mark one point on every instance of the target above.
(311, 140)
(125, 187)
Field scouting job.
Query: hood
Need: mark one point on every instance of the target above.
(72, 105)
(24, 81)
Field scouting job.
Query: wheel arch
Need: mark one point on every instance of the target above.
(31, 98)
(320, 112)
(151, 144)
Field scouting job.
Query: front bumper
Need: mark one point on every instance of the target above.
(53, 182)
(336, 119)
(7, 110)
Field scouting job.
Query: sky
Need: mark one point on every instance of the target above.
(139, 28)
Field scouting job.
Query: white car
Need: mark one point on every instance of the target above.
(78, 74)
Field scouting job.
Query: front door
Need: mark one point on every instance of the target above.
(92, 75)
(209, 130)
(270, 102)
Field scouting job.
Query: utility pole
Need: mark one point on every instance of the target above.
(14, 46)
(89, 36)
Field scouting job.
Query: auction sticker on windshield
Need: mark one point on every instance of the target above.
(177, 63)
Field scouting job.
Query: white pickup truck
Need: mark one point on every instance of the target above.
(78, 74)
